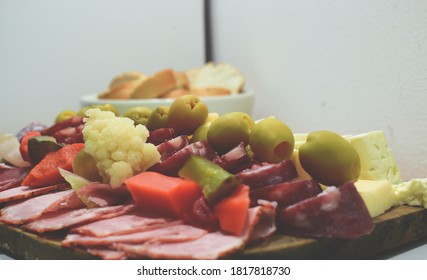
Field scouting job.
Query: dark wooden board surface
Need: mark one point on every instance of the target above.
(399, 226)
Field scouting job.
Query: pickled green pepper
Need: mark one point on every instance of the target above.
(215, 182)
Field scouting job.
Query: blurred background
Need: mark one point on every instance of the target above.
(346, 66)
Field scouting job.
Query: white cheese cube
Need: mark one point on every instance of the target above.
(376, 160)
(412, 193)
(377, 195)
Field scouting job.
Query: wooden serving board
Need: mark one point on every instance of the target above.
(397, 227)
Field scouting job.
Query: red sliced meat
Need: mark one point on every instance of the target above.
(268, 174)
(26, 192)
(107, 254)
(286, 194)
(104, 194)
(236, 160)
(160, 135)
(266, 226)
(68, 131)
(171, 165)
(71, 201)
(201, 215)
(336, 212)
(123, 224)
(212, 245)
(66, 218)
(32, 208)
(12, 177)
(168, 148)
(174, 232)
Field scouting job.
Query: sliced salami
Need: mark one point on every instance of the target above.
(268, 174)
(286, 194)
(336, 212)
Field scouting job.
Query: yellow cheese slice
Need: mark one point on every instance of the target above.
(302, 174)
(377, 195)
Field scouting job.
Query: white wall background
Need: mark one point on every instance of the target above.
(53, 52)
(346, 66)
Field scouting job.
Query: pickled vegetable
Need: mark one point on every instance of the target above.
(201, 133)
(138, 114)
(84, 165)
(158, 118)
(329, 158)
(102, 107)
(186, 114)
(271, 140)
(230, 130)
(40, 146)
(216, 183)
(66, 114)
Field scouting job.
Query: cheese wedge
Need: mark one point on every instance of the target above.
(377, 195)
(412, 193)
(302, 174)
(376, 159)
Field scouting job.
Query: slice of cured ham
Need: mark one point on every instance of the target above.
(337, 212)
(107, 254)
(212, 245)
(123, 224)
(266, 225)
(103, 194)
(32, 208)
(67, 218)
(12, 177)
(26, 192)
(174, 232)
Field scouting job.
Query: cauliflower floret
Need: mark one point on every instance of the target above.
(118, 146)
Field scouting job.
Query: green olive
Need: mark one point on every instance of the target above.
(271, 140)
(201, 133)
(186, 114)
(84, 165)
(230, 130)
(139, 114)
(64, 115)
(329, 158)
(102, 107)
(158, 118)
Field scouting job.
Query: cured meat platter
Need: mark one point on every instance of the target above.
(97, 185)
(397, 227)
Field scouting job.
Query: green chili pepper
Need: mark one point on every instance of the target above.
(215, 182)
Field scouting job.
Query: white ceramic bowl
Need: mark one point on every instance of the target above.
(242, 102)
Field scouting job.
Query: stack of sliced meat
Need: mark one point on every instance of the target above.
(135, 235)
(122, 231)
